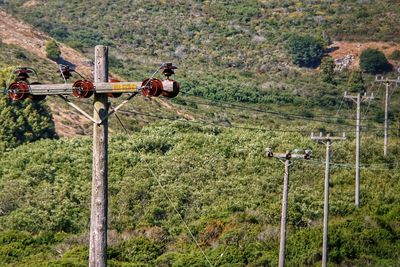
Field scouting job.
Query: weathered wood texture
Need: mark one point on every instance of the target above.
(100, 87)
(99, 203)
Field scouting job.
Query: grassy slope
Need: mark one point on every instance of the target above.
(238, 46)
(207, 173)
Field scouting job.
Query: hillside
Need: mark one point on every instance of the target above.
(22, 35)
(22, 45)
(207, 173)
(232, 52)
(189, 182)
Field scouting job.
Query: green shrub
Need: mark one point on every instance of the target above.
(306, 51)
(395, 55)
(374, 61)
(53, 51)
(139, 250)
(328, 70)
(24, 121)
(356, 82)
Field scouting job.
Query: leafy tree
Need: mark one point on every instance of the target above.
(374, 61)
(328, 70)
(53, 51)
(22, 121)
(324, 38)
(356, 81)
(306, 51)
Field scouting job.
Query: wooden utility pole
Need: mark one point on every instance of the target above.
(379, 78)
(327, 140)
(99, 202)
(21, 89)
(287, 157)
(358, 99)
(386, 125)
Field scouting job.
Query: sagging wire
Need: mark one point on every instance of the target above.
(165, 192)
(276, 113)
(128, 112)
(367, 167)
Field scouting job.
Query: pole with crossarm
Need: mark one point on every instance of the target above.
(286, 157)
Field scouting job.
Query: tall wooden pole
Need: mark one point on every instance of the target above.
(99, 203)
(358, 129)
(284, 212)
(327, 140)
(286, 156)
(326, 206)
(385, 141)
(358, 99)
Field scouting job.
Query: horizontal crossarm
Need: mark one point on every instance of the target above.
(64, 89)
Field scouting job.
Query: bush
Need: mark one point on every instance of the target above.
(356, 82)
(24, 121)
(306, 51)
(395, 55)
(53, 51)
(328, 70)
(374, 61)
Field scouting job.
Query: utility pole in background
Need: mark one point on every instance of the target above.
(327, 140)
(381, 79)
(358, 99)
(287, 157)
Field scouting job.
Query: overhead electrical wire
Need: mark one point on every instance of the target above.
(352, 166)
(165, 192)
(129, 112)
(279, 114)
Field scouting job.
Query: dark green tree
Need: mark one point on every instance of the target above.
(356, 81)
(328, 70)
(306, 51)
(53, 51)
(374, 61)
(22, 121)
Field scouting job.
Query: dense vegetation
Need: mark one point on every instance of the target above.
(22, 121)
(306, 51)
(53, 51)
(374, 61)
(230, 51)
(212, 171)
(207, 173)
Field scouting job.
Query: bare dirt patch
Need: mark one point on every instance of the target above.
(15, 32)
(343, 49)
(68, 122)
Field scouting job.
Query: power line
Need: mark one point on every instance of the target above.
(340, 165)
(165, 192)
(127, 112)
(280, 114)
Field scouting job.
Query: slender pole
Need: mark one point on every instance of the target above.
(326, 206)
(357, 199)
(99, 203)
(385, 142)
(284, 212)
